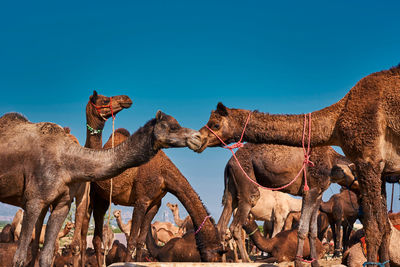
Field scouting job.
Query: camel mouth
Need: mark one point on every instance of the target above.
(202, 147)
(127, 104)
(194, 143)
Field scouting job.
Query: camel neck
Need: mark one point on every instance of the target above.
(94, 128)
(177, 218)
(288, 129)
(94, 165)
(262, 243)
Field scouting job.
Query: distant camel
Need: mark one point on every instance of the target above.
(164, 231)
(185, 224)
(125, 228)
(342, 210)
(51, 167)
(365, 123)
(282, 247)
(275, 166)
(17, 223)
(7, 234)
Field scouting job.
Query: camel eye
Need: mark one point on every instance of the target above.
(216, 126)
(174, 128)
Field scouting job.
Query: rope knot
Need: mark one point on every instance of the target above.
(236, 145)
(307, 161)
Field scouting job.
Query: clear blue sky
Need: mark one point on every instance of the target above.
(184, 56)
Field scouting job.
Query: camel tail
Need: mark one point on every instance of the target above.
(151, 244)
(325, 207)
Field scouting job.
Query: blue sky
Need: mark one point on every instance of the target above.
(184, 56)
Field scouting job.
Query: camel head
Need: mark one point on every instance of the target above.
(117, 213)
(172, 207)
(220, 123)
(104, 107)
(168, 133)
(344, 175)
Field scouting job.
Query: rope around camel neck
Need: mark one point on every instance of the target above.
(306, 162)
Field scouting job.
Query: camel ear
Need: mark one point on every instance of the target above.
(160, 115)
(93, 97)
(222, 110)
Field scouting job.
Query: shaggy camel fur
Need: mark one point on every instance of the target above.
(274, 166)
(342, 210)
(365, 124)
(282, 247)
(98, 109)
(42, 166)
(125, 228)
(185, 224)
(355, 257)
(144, 187)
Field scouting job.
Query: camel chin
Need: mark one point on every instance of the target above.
(194, 144)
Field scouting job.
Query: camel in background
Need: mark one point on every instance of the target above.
(365, 123)
(186, 224)
(125, 228)
(42, 166)
(342, 210)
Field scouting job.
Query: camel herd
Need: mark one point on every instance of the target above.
(44, 168)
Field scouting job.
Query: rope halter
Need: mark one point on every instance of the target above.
(98, 108)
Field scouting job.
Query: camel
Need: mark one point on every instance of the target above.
(293, 220)
(98, 109)
(144, 187)
(108, 237)
(273, 166)
(17, 223)
(365, 123)
(7, 234)
(185, 224)
(178, 249)
(42, 166)
(355, 255)
(125, 228)
(165, 231)
(67, 228)
(342, 210)
(117, 253)
(282, 247)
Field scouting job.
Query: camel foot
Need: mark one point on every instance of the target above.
(337, 254)
(301, 263)
(315, 263)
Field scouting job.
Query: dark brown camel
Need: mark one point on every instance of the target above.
(274, 166)
(98, 110)
(342, 210)
(144, 187)
(293, 221)
(365, 124)
(282, 247)
(7, 234)
(178, 249)
(42, 166)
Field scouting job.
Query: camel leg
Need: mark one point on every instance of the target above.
(33, 208)
(239, 219)
(57, 217)
(374, 217)
(336, 229)
(38, 231)
(304, 224)
(138, 215)
(100, 207)
(144, 229)
(84, 231)
(313, 235)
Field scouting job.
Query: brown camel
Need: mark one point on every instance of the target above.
(342, 210)
(157, 177)
(98, 109)
(185, 224)
(274, 166)
(355, 255)
(365, 124)
(282, 247)
(67, 228)
(178, 249)
(293, 221)
(42, 166)
(7, 234)
(164, 231)
(117, 253)
(125, 228)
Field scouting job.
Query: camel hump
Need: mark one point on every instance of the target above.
(13, 117)
(123, 131)
(50, 128)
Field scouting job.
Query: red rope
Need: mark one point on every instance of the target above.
(306, 162)
(307, 261)
(202, 224)
(104, 106)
